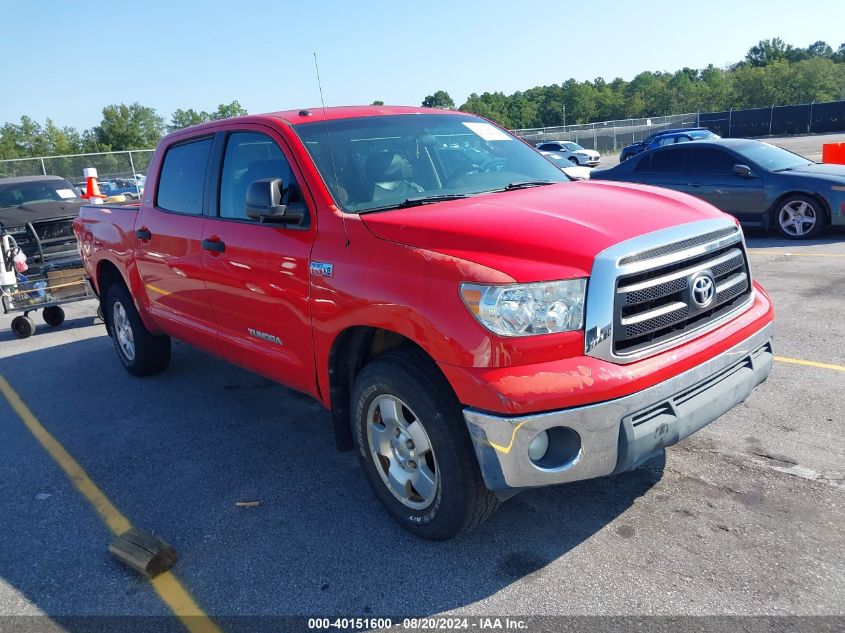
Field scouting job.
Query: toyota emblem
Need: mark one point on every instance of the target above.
(703, 289)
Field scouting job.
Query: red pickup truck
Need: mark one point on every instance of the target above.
(475, 322)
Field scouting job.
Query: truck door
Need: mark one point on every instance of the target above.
(168, 234)
(259, 277)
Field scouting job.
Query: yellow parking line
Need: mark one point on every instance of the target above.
(755, 251)
(168, 587)
(810, 363)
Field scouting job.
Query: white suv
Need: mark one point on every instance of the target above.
(573, 151)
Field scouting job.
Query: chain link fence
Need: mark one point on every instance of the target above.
(109, 165)
(610, 137)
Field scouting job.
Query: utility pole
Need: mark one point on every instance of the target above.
(564, 116)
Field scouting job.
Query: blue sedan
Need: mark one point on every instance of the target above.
(760, 184)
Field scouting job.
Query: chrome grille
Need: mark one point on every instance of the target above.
(668, 249)
(655, 306)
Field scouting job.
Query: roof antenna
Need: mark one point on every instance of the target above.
(331, 150)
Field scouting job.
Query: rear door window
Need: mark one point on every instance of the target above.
(182, 182)
(706, 160)
(668, 161)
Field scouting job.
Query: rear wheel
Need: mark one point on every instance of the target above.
(414, 447)
(141, 352)
(799, 217)
(53, 316)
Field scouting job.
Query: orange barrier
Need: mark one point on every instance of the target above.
(833, 153)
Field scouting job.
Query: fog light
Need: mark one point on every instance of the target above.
(538, 447)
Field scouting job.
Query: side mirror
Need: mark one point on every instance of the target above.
(742, 170)
(264, 203)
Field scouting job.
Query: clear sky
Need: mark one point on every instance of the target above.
(66, 59)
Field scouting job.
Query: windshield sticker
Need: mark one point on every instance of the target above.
(64, 194)
(487, 132)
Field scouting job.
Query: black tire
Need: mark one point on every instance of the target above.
(151, 353)
(574, 160)
(100, 313)
(461, 501)
(23, 326)
(814, 208)
(53, 316)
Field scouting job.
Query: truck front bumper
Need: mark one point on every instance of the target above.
(617, 435)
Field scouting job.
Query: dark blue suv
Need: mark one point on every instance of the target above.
(667, 137)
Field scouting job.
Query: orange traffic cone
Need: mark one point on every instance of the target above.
(92, 189)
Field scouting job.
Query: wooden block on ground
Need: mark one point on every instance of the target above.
(143, 552)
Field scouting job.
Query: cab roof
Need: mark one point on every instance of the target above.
(310, 115)
(349, 112)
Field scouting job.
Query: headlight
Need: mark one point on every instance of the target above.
(582, 153)
(528, 309)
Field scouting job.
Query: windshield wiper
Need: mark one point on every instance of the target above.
(524, 184)
(418, 201)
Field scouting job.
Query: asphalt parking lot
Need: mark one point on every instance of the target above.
(746, 517)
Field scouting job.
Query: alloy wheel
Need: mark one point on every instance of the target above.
(401, 451)
(797, 218)
(123, 331)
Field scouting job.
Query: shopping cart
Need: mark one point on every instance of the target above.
(52, 287)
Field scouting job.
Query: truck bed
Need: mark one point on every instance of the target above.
(106, 229)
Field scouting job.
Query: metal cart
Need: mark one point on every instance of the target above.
(48, 290)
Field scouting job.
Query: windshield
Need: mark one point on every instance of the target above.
(702, 134)
(19, 193)
(771, 157)
(572, 147)
(379, 162)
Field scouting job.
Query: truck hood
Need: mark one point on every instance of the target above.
(39, 211)
(543, 233)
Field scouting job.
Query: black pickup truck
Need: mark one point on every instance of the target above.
(38, 212)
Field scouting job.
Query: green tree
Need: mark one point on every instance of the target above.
(715, 91)
(439, 99)
(766, 52)
(186, 118)
(228, 110)
(820, 49)
(129, 127)
(490, 105)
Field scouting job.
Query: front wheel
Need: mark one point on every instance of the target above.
(141, 352)
(414, 447)
(799, 217)
(574, 160)
(23, 326)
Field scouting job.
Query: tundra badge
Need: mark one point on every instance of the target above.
(321, 269)
(264, 336)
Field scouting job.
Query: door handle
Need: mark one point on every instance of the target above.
(144, 234)
(695, 184)
(214, 245)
